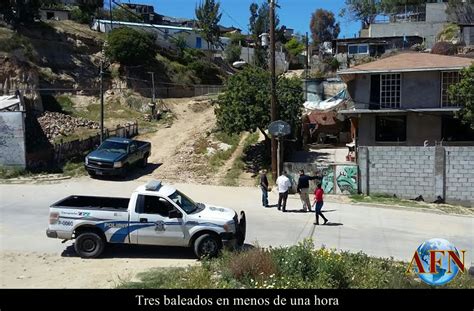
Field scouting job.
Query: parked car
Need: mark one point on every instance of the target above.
(116, 155)
(156, 214)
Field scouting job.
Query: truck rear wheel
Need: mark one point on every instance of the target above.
(89, 245)
(207, 245)
(144, 161)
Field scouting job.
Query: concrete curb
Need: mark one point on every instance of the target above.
(33, 180)
(408, 208)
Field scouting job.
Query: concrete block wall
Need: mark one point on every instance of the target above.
(405, 171)
(460, 174)
(409, 172)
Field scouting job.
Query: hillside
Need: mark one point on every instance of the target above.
(56, 64)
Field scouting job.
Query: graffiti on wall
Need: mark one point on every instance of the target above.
(346, 179)
(327, 182)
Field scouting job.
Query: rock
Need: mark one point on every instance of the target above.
(224, 146)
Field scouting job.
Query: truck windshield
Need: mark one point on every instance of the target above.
(111, 146)
(188, 205)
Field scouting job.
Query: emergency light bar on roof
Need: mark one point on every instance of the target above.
(153, 185)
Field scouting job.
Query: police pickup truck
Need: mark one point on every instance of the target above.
(156, 214)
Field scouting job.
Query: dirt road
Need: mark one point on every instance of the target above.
(46, 270)
(174, 146)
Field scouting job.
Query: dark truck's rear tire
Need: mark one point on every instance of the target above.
(144, 161)
(89, 245)
(207, 245)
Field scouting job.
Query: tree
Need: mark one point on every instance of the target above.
(232, 53)
(362, 10)
(129, 46)
(208, 17)
(294, 48)
(245, 103)
(90, 6)
(460, 11)
(323, 26)
(463, 93)
(22, 11)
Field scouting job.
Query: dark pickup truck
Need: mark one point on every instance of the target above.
(116, 155)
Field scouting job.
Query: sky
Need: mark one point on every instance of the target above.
(294, 14)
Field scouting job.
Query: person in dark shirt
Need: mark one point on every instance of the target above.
(264, 187)
(303, 189)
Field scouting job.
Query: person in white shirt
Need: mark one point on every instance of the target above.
(283, 184)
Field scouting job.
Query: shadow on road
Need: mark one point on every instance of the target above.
(135, 173)
(333, 224)
(138, 251)
(145, 251)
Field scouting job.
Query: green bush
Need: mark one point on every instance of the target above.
(205, 71)
(7, 172)
(80, 16)
(130, 47)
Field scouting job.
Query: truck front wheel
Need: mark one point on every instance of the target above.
(89, 245)
(207, 245)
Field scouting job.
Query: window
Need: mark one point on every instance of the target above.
(156, 205)
(448, 78)
(374, 91)
(391, 128)
(358, 49)
(390, 90)
(453, 129)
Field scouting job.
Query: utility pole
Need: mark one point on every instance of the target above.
(111, 17)
(306, 63)
(152, 104)
(101, 101)
(153, 86)
(274, 108)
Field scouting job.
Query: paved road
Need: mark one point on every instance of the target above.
(377, 231)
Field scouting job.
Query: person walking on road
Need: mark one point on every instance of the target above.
(303, 189)
(284, 184)
(264, 187)
(318, 198)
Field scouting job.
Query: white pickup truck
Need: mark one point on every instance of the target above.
(156, 214)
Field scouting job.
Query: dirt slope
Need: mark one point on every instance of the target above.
(174, 147)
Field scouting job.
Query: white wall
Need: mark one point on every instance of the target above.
(281, 65)
(164, 34)
(12, 139)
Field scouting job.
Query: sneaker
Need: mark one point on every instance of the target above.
(325, 222)
(316, 223)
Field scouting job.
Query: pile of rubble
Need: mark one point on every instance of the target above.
(55, 124)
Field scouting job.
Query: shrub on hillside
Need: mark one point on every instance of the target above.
(130, 47)
(444, 48)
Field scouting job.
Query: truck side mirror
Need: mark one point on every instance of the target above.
(175, 214)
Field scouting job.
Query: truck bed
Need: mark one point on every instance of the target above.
(90, 202)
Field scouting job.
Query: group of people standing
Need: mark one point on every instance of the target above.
(284, 185)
